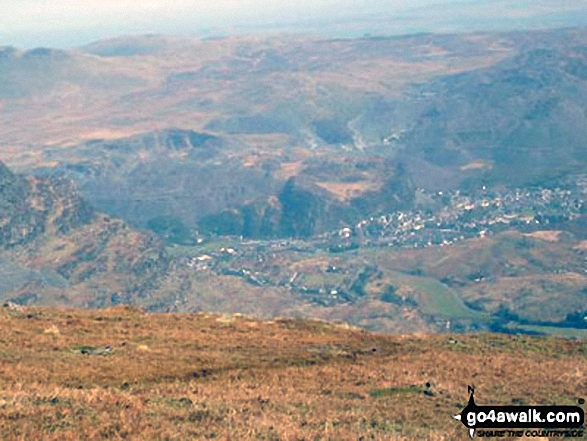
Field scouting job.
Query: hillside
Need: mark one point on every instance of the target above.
(215, 132)
(403, 184)
(57, 250)
(123, 374)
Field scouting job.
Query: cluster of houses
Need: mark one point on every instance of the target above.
(462, 216)
(457, 216)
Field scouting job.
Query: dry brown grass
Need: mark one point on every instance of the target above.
(345, 191)
(547, 235)
(289, 169)
(203, 376)
(476, 165)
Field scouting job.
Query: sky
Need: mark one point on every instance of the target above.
(66, 23)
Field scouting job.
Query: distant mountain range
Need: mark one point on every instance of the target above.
(235, 119)
(209, 144)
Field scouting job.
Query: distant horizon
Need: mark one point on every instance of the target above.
(32, 23)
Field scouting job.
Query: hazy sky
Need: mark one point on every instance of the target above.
(73, 22)
(51, 15)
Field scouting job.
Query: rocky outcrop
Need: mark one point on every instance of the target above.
(48, 227)
(30, 207)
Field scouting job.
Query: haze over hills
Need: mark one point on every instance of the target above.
(305, 220)
(69, 24)
(346, 179)
(277, 109)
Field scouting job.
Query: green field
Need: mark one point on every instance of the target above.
(435, 298)
(555, 331)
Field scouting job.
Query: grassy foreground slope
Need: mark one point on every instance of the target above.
(124, 374)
